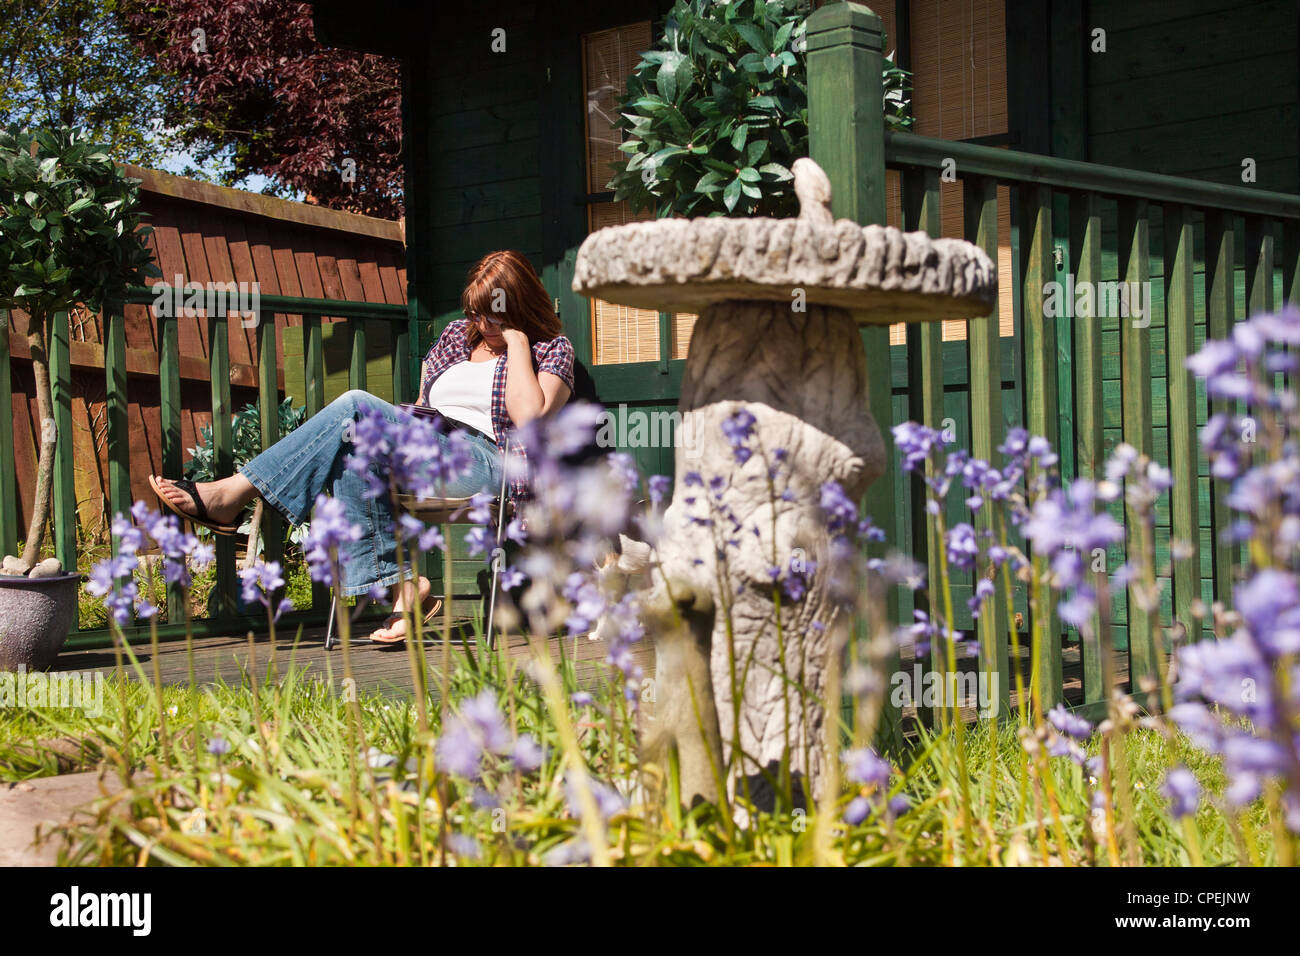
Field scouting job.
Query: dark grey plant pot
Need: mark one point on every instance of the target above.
(35, 615)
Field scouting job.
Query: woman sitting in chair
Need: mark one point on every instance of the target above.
(501, 366)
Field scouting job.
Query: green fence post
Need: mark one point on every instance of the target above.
(8, 480)
(846, 136)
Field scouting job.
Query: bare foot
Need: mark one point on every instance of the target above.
(224, 499)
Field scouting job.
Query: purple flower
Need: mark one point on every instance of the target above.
(608, 800)
(426, 539)
(738, 429)
(984, 590)
(1269, 604)
(464, 845)
(859, 809)
(330, 530)
(477, 730)
(1071, 725)
(259, 582)
(841, 510)
(527, 755)
(587, 600)
(963, 548)
(865, 766)
(658, 486)
(1183, 791)
(917, 443)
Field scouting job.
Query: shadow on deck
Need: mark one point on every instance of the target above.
(382, 668)
(386, 669)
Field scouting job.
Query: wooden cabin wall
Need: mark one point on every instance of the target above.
(1188, 88)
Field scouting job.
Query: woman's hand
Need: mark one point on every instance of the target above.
(516, 339)
(528, 394)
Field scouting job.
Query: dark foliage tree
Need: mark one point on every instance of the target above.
(260, 95)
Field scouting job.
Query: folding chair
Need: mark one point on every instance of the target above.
(433, 511)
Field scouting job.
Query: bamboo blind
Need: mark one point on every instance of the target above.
(959, 90)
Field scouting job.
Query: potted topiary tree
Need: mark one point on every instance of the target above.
(70, 234)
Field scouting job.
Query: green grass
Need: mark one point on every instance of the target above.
(295, 787)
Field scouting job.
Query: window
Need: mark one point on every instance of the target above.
(618, 333)
(959, 91)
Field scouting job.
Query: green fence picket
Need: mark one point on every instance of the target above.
(987, 425)
(1135, 383)
(222, 599)
(268, 403)
(115, 402)
(357, 353)
(314, 385)
(169, 421)
(1180, 342)
(1038, 333)
(1089, 417)
(925, 404)
(1220, 314)
(1259, 265)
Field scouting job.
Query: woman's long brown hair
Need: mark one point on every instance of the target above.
(503, 285)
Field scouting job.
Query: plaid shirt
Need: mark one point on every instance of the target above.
(555, 356)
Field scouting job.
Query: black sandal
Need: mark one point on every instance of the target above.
(200, 516)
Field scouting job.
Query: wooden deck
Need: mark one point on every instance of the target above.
(374, 667)
(387, 670)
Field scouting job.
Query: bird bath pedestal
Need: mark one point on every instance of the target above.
(779, 303)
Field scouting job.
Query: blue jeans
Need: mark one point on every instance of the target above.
(310, 459)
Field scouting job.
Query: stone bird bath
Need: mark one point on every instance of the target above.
(779, 303)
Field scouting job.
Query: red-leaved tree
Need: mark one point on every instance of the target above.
(261, 95)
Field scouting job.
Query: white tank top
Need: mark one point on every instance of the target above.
(464, 392)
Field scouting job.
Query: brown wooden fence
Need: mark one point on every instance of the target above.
(205, 233)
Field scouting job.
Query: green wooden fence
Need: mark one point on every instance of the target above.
(224, 617)
(1085, 383)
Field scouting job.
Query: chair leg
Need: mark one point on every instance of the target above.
(498, 558)
(492, 603)
(329, 627)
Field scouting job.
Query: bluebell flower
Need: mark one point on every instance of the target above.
(1183, 792)
(859, 809)
(865, 766)
(330, 530)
